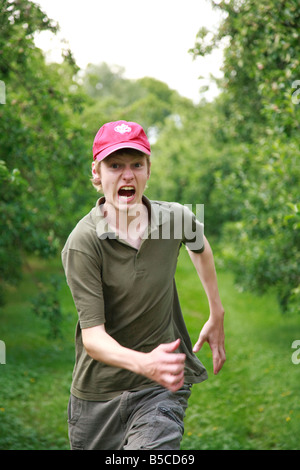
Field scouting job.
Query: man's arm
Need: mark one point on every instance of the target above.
(213, 330)
(161, 365)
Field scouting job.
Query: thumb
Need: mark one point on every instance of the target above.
(199, 344)
(171, 347)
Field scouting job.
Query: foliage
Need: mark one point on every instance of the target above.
(259, 108)
(261, 63)
(267, 235)
(46, 304)
(113, 97)
(12, 221)
(40, 143)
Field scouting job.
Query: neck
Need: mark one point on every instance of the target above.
(128, 222)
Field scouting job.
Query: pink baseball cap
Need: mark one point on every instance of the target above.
(116, 135)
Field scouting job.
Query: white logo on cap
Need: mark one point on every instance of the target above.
(122, 128)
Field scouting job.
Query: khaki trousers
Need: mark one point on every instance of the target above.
(147, 419)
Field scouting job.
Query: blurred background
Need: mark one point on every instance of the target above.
(216, 85)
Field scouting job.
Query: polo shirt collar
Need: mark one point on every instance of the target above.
(157, 217)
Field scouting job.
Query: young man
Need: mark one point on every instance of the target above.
(135, 363)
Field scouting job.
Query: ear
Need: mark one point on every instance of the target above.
(94, 172)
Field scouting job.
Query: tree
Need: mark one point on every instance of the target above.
(40, 142)
(261, 63)
(113, 97)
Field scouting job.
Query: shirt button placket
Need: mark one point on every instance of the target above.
(137, 257)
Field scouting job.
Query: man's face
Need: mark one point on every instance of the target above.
(123, 179)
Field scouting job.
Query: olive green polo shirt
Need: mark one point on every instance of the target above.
(131, 291)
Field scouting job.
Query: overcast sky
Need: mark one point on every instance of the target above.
(147, 38)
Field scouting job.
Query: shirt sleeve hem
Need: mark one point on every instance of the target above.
(90, 323)
(199, 250)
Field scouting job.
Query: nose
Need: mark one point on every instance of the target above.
(127, 173)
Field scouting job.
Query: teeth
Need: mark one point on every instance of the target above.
(126, 196)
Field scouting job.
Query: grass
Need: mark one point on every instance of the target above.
(252, 404)
(35, 381)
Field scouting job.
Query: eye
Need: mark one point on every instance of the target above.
(115, 166)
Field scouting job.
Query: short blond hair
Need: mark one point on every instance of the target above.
(96, 180)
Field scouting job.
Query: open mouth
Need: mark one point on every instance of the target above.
(126, 193)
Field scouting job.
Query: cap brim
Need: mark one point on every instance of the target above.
(108, 151)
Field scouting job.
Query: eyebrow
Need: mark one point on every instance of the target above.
(119, 158)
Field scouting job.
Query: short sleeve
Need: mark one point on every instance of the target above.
(193, 231)
(83, 275)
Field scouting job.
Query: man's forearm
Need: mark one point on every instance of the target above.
(103, 348)
(213, 330)
(163, 364)
(205, 267)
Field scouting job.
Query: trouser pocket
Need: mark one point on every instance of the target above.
(76, 432)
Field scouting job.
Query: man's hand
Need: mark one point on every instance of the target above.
(165, 366)
(213, 333)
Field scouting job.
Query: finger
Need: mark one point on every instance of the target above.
(175, 369)
(218, 360)
(171, 347)
(173, 382)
